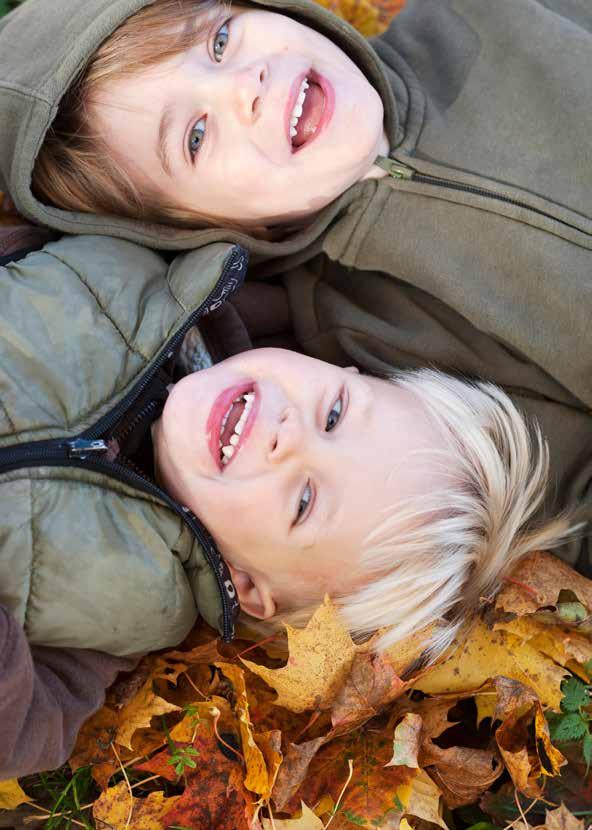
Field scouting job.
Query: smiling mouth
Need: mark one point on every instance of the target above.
(307, 110)
(232, 425)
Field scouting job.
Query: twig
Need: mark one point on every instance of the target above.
(255, 645)
(199, 691)
(47, 813)
(528, 588)
(522, 813)
(127, 781)
(349, 778)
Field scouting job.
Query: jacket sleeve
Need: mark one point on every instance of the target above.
(46, 694)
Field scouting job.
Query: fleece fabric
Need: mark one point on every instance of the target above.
(472, 253)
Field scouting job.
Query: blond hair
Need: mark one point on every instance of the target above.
(75, 169)
(440, 558)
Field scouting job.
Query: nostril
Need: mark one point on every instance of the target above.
(262, 75)
(255, 106)
(274, 445)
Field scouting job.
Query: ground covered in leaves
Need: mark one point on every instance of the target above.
(307, 730)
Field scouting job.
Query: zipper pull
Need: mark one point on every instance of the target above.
(80, 448)
(395, 168)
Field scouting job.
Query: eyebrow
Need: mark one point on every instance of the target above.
(164, 128)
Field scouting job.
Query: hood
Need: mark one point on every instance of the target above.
(44, 44)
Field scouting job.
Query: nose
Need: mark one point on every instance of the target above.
(287, 438)
(250, 84)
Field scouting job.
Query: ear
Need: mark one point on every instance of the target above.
(353, 369)
(254, 594)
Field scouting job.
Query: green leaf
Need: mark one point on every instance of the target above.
(191, 750)
(571, 612)
(575, 695)
(483, 825)
(570, 728)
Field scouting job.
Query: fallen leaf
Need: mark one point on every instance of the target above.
(374, 794)
(562, 819)
(11, 794)
(320, 659)
(406, 741)
(371, 684)
(257, 777)
(424, 800)
(116, 809)
(536, 583)
(485, 654)
(307, 821)
(146, 704)
(293, 770)
(214, 802)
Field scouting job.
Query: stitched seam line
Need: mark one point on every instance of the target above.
(33, 557)
(11, 423)
(104, 311)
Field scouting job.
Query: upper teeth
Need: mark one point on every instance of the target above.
(228, 451)
(297, 111)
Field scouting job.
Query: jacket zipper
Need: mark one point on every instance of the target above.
(398, 170)
(87, 449)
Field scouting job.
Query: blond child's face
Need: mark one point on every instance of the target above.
(223, 111)
(322, 453)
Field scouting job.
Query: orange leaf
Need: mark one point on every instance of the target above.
(118, 810)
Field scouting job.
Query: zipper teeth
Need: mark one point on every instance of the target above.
(136, 420)
(55, 451)
(403, 172)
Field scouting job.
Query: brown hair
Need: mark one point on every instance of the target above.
(75, 169)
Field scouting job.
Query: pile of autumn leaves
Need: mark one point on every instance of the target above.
(318, 732)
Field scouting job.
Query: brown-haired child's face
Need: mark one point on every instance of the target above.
(224, 109)
(322, 453)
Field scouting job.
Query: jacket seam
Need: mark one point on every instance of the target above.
(104, 311)
(25, 92)
(11, 423)
(33, 561)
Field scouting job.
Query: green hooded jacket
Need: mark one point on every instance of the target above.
(474, 253)
(94, 554)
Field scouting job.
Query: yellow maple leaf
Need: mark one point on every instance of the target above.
(146, 704)
(485, 654)
(320, 659)
(11, 795)
(118, 810)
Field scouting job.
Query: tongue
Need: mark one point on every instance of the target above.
(233, 419)
(312, 110)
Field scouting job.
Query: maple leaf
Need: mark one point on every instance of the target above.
(117, 809)
(375, 793)
(293, 770)
(485, 654)
(537, 581)
(146, 704)
(320, 659)
(369, 686)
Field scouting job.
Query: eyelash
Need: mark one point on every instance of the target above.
(194, 152)
(305, 512)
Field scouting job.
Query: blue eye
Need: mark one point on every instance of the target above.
(334, 415)
(220, 41)
(304, 503)
(196, 137)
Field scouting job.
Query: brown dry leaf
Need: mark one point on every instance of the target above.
(424, 800)
(11, 795)
(112, 810)
(257, 777)
(462, 773)
(320, 659)
(370, 685)
(307, 821)
(146, 704)
(538, 579)
(293, 770)
(406, 741)
(485, 654)
(562, 819)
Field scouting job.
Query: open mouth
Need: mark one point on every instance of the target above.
(230, 422)
(309, 109)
